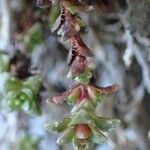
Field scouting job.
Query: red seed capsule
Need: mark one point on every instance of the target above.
(82, 131)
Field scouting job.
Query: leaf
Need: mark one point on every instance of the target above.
(60, 20)
(53, 15)
(97, 136)
(87, 105)
(33, 36)
(67, 136)
(85, 77)
(81, 117)
(69, 6)
(105, 124)
(33, 83)
(12, 84)
(58, 126)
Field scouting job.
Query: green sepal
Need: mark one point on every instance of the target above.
(66, 136)
(71, 100)
(85, 77)
(97, 136)
(58, 126)
(81, 117)
(86, 105)
(53, 15)
(105, 124)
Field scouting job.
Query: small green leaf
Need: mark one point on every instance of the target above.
(105, 124)
(58, 126)
(85, 77)
(97, 136)
(81, 117)
(33, 36)
(86, 105)
(67, 136)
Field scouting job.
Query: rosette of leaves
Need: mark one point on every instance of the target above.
(23, 94)
(16, 94)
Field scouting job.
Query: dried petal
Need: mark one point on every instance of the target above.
(59, 98)
(105, 90)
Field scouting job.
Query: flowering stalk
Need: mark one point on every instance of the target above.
(82, 127)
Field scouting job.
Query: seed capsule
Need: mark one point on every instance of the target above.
(82, 131)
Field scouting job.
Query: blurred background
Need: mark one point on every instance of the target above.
(33, 67)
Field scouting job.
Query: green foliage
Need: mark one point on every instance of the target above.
(85, 77)
(19, 94)
(23, 94)
(54, 13)
(28, 143)
(33, 36)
